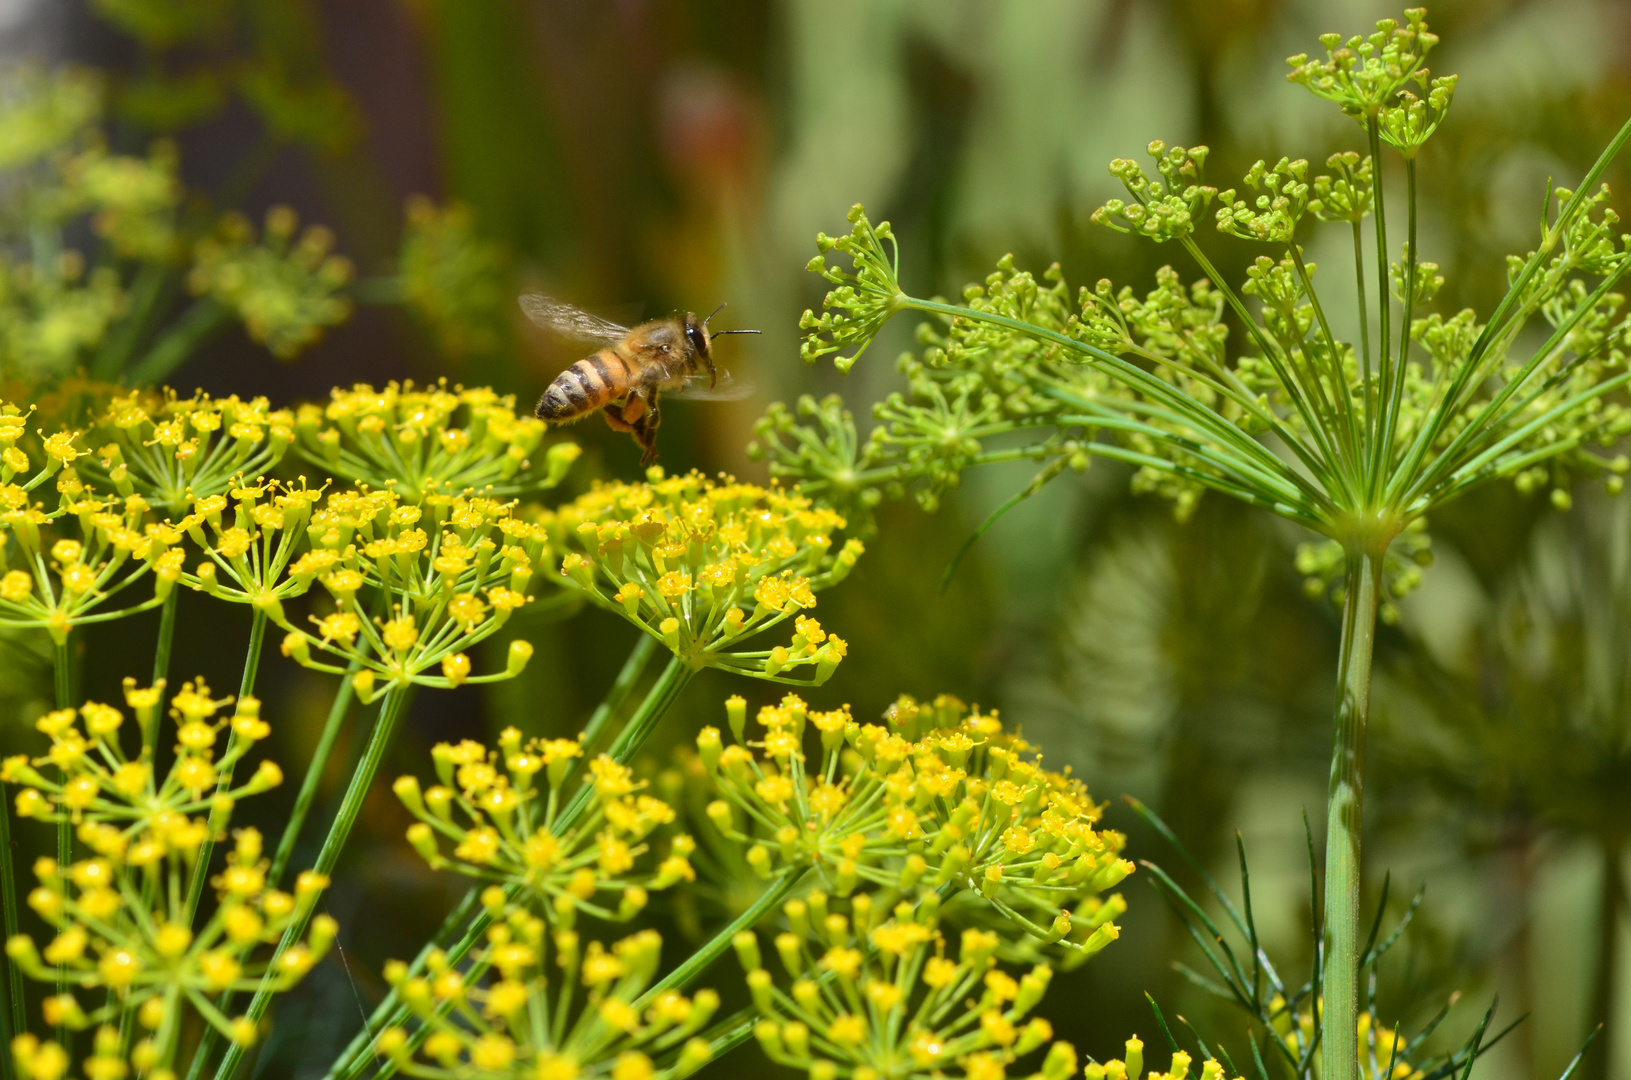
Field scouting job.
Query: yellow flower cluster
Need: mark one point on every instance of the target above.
(457, 567)
(873, 995)
(173, 450)
(703, 565)
(1132, 1067)
(504, 829)
(940, 799)
(436, 440)
(123, 921)
(529, 1023)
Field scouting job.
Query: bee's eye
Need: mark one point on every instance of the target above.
(693, 334)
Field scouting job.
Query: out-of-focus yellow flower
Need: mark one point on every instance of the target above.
(873, 993)
(609, 1029)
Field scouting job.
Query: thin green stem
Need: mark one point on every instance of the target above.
(339, 831)
(1343, 934)
(200, 322)
(1390, 382)
(1364, 327)
(662, 694)
(246, 688)
(314, 775)
(703, 958)
(14, 1018)
(161, 664)
(1380, 476)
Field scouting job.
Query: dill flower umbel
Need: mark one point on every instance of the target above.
(581, 1012)
(67, 562)
(173, 451)
(454, 569)
(940, 800)
(508, 829)
(703, 565)
(124, 922)
(432, 440)
(873, 994)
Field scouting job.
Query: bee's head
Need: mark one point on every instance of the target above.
(696, 331)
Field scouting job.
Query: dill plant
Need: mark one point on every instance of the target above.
(1354, 432)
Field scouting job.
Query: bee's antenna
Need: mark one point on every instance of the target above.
(712, 313)
(722, 333)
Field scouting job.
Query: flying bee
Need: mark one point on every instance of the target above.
(632, 369)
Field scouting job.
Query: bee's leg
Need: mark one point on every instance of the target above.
(645, 431)
(614, 414)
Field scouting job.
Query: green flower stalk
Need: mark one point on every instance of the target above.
(124, 927)
(1355, 441)
(703, 566)
(432, 441)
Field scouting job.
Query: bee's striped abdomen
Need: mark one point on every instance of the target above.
(586, 386)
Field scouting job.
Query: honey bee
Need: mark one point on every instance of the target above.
(634, 367)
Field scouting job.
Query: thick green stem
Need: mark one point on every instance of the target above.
(1604, 997)
(161, 663)
(1343, 933)
(14, 1018)
(246, 688)
(356, 793)
(470, 914)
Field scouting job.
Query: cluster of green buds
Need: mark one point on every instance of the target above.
(52, 311)
(124, 916)
(457, 281)
(67, 565)
(704, 565)
(872, 994)
(287, 289)
(455, 568)
(505, 828)
(583, 1012)
(436, 440)
(173, 450)
(1131, 1066)
(939, 800)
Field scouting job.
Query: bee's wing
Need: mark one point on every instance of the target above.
(569, 321)
(696, 388)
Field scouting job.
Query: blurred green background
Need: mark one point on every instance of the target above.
(638, 156)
